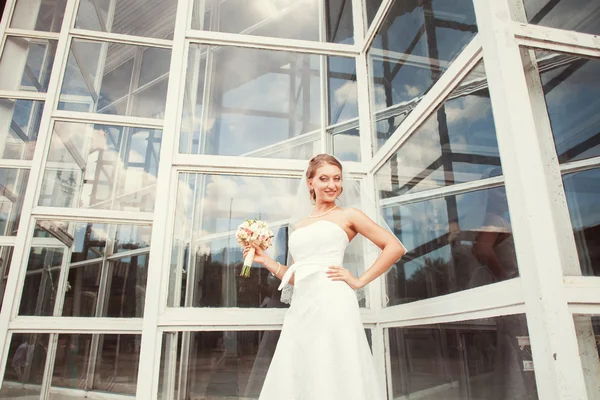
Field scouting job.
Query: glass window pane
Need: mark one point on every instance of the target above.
(286, 19)
(346, 142)
(71, 363)
(150, 18)
(95, 363)
(101, 166)
(341, 86)
(5, 259)
(117, 364)
(13, 183)
(583, 196)
(454, 243)
(106, 268)
(372, 6)
(572, 91)
(265, 109)
(484, 359)
(588, 338)
(39, 15)
(216, 365)
(206, 259)
(574, 15)
(456, 144)
(26, 64)
(25, 365)
(41, 282)
(127, 278)
(19, 125)
(413, 48)
(106, 78)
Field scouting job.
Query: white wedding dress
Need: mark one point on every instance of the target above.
(322, 353)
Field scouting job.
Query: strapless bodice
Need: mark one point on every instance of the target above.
(315, 247)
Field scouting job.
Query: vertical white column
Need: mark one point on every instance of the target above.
(16, 274)
(537, 205)
(158, 267)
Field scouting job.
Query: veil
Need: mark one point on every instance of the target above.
(360, 252)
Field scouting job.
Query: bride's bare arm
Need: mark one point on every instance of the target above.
(391, 248)
(273, 266)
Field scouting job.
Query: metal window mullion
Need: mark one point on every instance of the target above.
(170, 370)
(580, 165)
(106, 272)
(91, 86)
(387, 373)
(91, 367)
(378, 20)
(124, 39)
(49, 366)
(110, 16)
(451, 190)
(32, 34)
(197, 215)
(359, 22)
(555, 39)
(365, 122)
(61, 287)
(22, 95)
(326, 140)
(541, 227)
(270, 43)
(99, 76)
(122, 156)
(87, 214)
(162, 222)
(16, 274)
(9, 9)
(107, 119)
(136, 71)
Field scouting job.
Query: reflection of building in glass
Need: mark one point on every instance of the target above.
(136, 135)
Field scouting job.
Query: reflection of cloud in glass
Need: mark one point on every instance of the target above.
(81, 155)
(238, 197)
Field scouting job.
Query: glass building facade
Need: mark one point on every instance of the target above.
(135, 136)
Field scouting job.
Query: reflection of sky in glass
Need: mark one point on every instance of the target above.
(148, 18)
(228, 200)
(20, 128)
(572, 92)
(413, 39)
(578, 15)
(123, 73)
(101, 166)
(269, 108)
(286, 19)
(457, 143)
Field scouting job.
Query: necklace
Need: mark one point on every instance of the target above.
(320, 215)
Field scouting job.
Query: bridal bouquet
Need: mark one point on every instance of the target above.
(253, 232)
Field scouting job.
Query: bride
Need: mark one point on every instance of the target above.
(323, 352)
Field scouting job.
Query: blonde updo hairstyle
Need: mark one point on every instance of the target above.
(314, 164)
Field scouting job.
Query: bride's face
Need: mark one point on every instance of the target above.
(327, 183)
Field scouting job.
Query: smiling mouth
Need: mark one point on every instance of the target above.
(330, 192)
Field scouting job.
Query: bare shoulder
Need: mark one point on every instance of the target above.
(354, 216)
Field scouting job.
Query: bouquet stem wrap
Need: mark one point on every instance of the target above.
(248, 262)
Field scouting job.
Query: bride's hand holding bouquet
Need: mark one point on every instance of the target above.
(260, 256)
